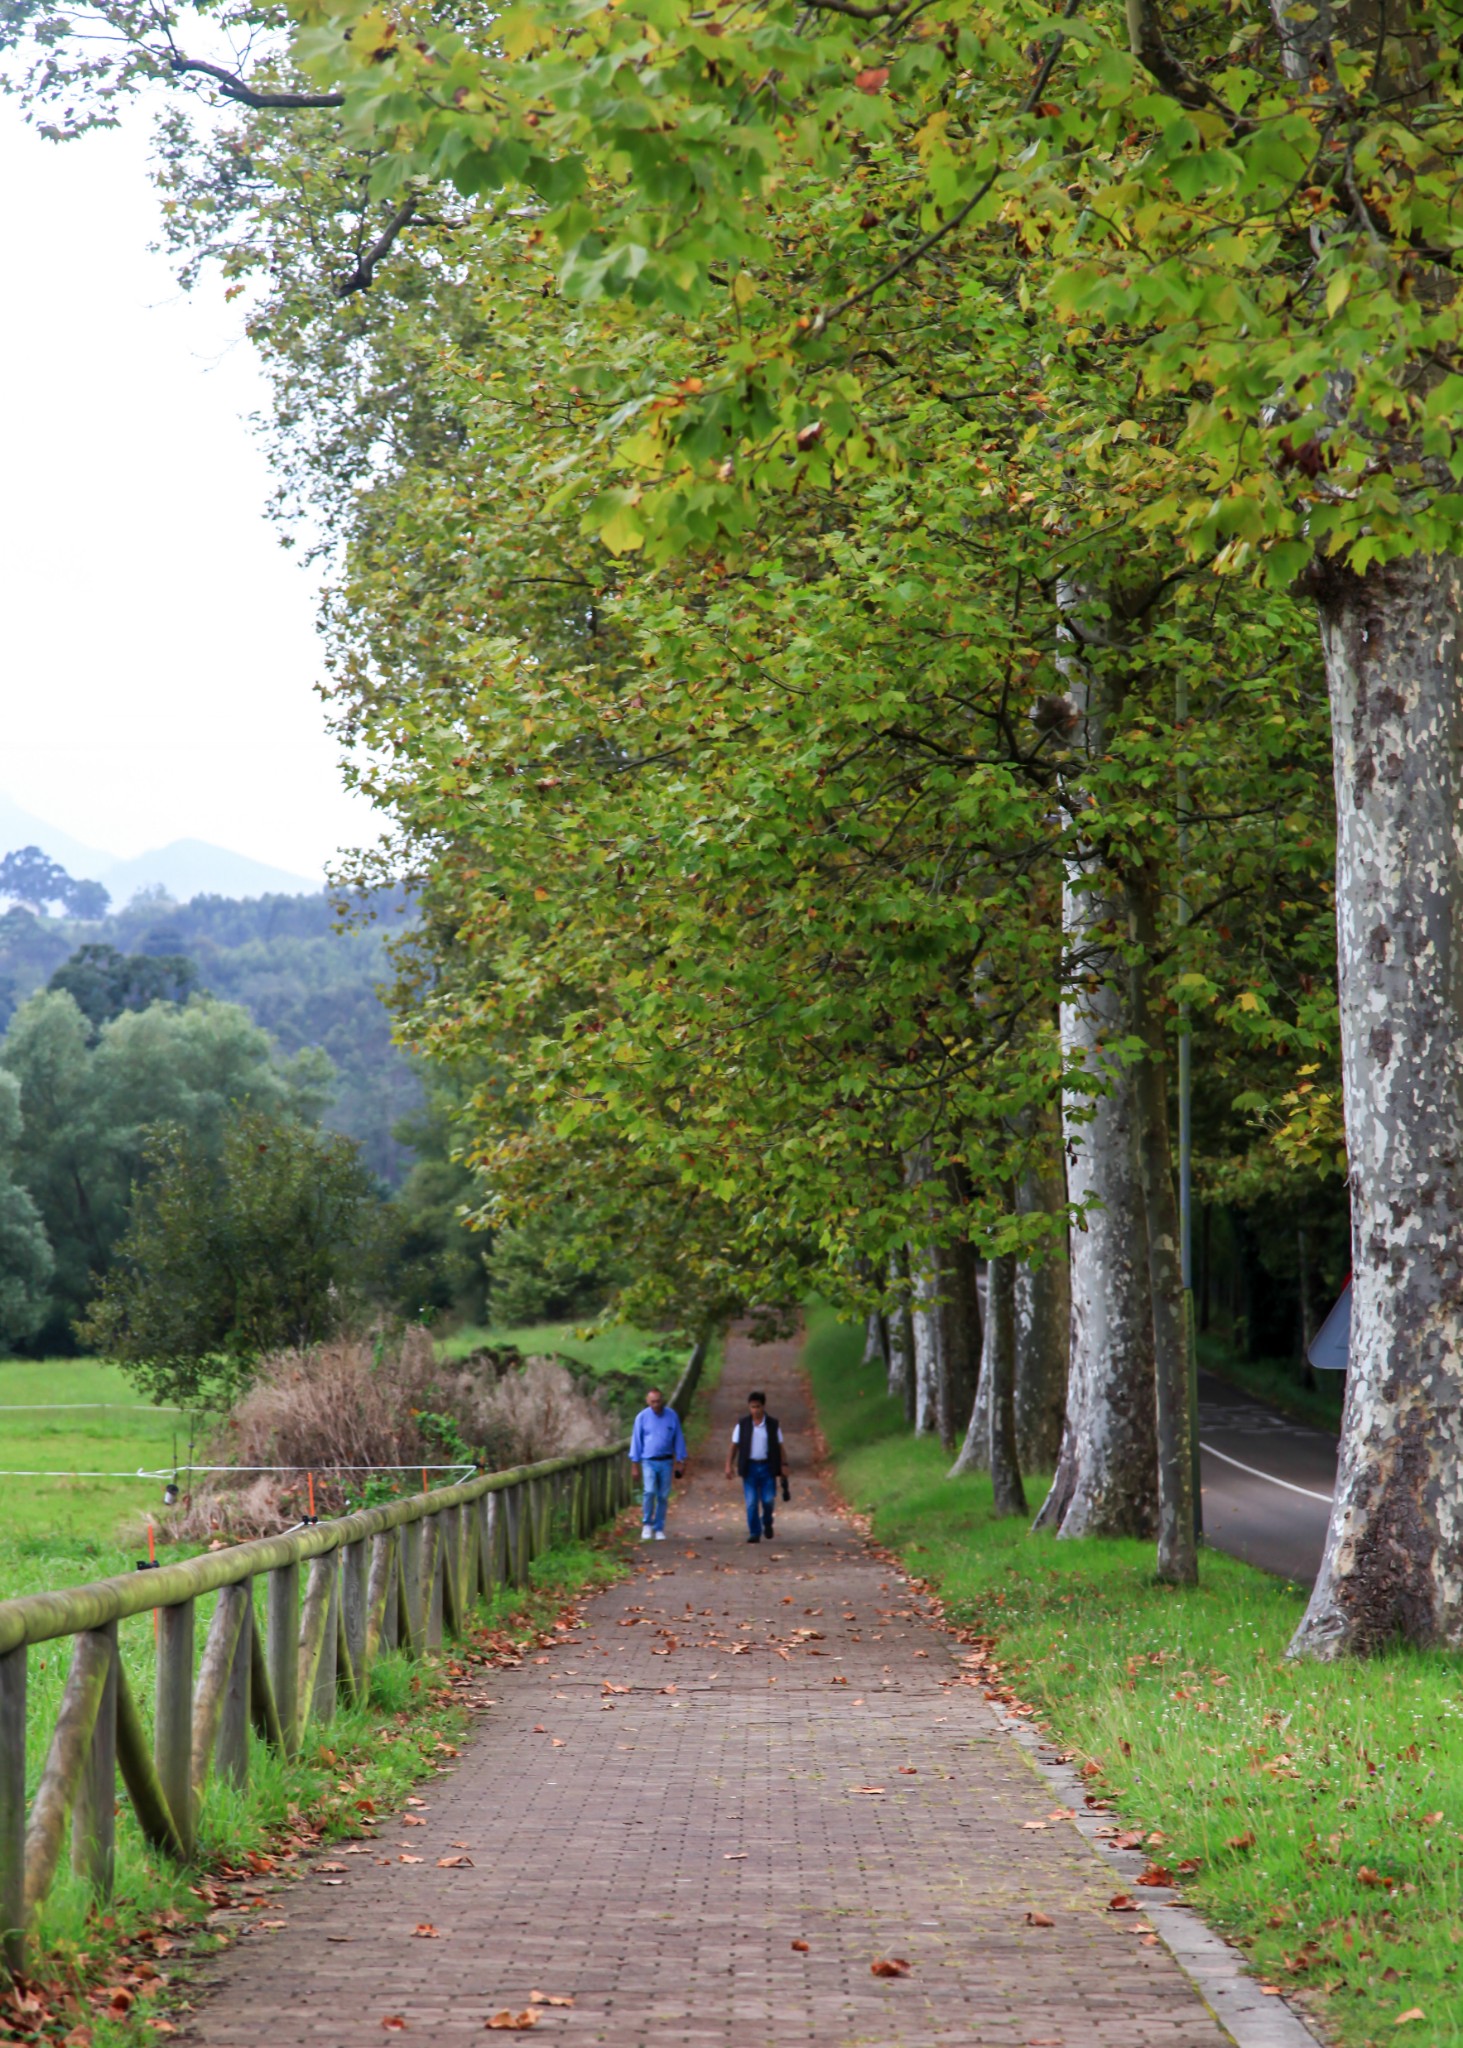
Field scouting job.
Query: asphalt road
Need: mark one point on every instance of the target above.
(1267, 1482)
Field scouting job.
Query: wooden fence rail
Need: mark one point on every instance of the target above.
(394, 1577)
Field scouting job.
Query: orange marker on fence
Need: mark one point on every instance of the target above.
(312, 1495)
(424, 1479)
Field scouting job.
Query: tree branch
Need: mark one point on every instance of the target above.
(234, 88)
(358, 278)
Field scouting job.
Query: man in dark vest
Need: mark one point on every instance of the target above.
(761, 1461)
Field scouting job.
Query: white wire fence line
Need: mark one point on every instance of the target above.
(172, 1471)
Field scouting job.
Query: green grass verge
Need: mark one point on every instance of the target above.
(1324, 1804)
(1278, 1381)
(117, 1972)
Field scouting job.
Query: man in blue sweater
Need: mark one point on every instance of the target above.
(657, 1447)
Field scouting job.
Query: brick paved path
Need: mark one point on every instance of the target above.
(659, 1866)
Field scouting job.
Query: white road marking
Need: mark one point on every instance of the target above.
(1305, 1492)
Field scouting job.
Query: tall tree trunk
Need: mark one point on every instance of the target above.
(1010, 1494)
(975, 1451)
(875, 1351)
(958, 1382)
(1178, 1561)
(1393, 1564)
(900, 1327)
(1043, 1319)
(929, 1339)
(1106, 1477)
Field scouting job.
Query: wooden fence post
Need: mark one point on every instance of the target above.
(354, 1608)
(231, 1748)
(413, 1621)
(172, 1736)
(282, 1650)
(94, 1816)
(434, 1564)
(12, 1809)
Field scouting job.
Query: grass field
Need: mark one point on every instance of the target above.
(1324, 1805)
(614, 1349)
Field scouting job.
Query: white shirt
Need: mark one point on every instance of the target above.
(759, 1441)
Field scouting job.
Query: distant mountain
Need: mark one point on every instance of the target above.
(190, 867)
(20, 828)
(185, 869)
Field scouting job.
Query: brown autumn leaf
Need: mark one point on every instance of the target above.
(1156, 1874)
(394, 2023)
(511, 2022)
(539, 1728)
(872, 1790)
(1242, 1842)
(454, 1863)
(1430, 1820)
(425, 1931)
(1366, 1875)
(412, 1820)
(889, 1966)
(329, 1869)
(909, 1770)
(874, 79)
(120, 1999)
(801, 1947)
(810, 435)
(1121, 1903)
(549, 1998)
(1035, 1919)
(1413, 2012)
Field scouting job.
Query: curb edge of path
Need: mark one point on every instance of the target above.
(1214, 1968)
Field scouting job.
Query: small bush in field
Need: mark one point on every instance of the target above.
(345, 1409)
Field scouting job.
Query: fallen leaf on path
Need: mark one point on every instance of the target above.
(412, 1820)
(734, 1856)
(405, 1858)
(1121, 1903)
(871, 1789)
(1035, 1919)
(1036, 1824)
(425, 1931)
(1156, 1874)
(549, 1998)
(801, 1947)
(556, 1742)
(889, 1966)
(539, 1728)
(512, 2021)
(394, 2023)
(454, 1863)
(328, 1869)
(909, 1770)
(460, 1845)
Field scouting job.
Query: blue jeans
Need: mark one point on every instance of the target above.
(760, 1489)
(656, 1480)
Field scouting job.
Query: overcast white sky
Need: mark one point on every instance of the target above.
(159, 650)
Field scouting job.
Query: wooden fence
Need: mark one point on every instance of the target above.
(393, 1577)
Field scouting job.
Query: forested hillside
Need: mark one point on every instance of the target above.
(286, 961)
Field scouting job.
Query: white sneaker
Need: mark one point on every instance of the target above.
(646, 1533)
(660, 1535)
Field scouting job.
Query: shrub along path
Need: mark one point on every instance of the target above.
(745, 1751)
